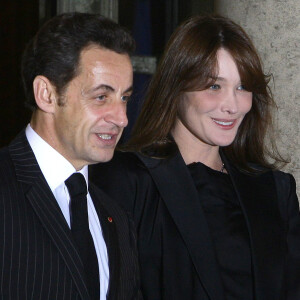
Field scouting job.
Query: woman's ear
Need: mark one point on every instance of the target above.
(44, 94)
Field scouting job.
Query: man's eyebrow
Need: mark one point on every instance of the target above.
(108, 88)
(104, 87)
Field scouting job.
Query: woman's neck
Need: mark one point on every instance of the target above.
(194, 150)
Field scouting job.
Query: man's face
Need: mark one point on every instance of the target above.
(90, 122)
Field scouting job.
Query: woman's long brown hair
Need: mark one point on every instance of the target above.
(189, 63)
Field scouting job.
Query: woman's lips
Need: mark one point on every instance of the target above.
(225, 124)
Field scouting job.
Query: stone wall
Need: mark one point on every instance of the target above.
(274, 26)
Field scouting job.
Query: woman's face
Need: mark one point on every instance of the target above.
(213, 116)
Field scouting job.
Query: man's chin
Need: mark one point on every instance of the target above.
(105, 157)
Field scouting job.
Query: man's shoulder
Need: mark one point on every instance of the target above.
(5, 158)
(4, 154)
(6, 168)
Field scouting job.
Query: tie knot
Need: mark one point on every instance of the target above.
(76, 185)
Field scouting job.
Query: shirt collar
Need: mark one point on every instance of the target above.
(55, 168)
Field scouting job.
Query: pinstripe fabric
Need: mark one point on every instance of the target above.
(38, 259)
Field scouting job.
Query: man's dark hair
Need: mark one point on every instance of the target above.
(54, 51)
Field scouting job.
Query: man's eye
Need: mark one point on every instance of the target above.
(215, 87)
(125, 98)
(101, 97)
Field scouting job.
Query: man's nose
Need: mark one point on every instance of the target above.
(117, 114)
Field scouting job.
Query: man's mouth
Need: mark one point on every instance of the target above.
(105, 136)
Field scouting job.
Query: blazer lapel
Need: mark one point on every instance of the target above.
(46, 208)
(181, 198)
(111, 239)
(258, 199)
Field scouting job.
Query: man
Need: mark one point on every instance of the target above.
(78, 78)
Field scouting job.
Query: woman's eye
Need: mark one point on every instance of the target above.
(125, 98)
(241, 88)
(215, 87)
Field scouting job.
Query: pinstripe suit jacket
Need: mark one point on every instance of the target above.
(38, 259)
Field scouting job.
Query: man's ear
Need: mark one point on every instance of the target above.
(44, 94)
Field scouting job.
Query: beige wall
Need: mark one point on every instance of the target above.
(274, 26)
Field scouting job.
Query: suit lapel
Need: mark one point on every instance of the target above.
(258, 199)
(46, 208)
(111, 239)
(181, 198)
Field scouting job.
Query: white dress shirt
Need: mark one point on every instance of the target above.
(56, 169)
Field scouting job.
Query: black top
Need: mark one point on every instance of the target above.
(175, 249)
(228, 230)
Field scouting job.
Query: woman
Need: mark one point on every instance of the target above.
(215, 219)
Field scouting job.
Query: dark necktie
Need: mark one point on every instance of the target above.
(80, 230)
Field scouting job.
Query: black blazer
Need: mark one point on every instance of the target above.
(176, 254)
(38, 259)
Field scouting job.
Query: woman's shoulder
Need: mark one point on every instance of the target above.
(285, 182)
(282, 174)
(125, 179)
(282, 181)
(123, 168)
(125, 159)
(132, 162)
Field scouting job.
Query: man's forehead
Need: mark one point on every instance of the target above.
(97, 61)
(100, 61)
(105, 72)
(100, 55)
